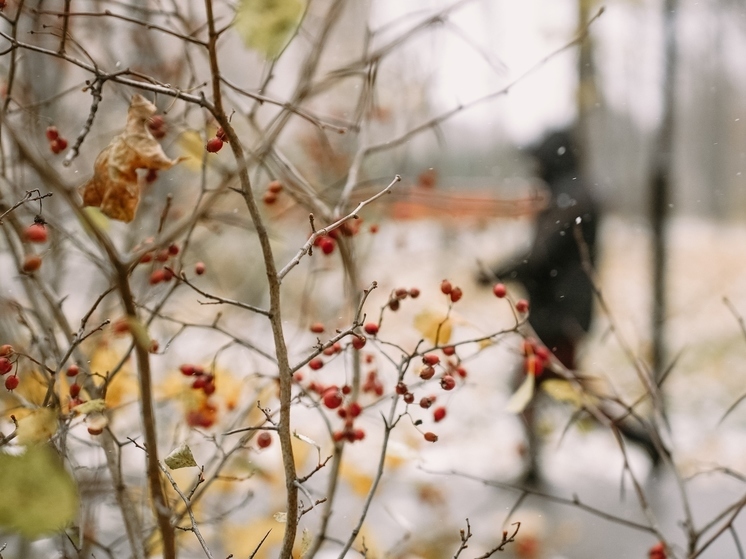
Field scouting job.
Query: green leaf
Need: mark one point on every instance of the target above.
(269, 25)
(39, 496)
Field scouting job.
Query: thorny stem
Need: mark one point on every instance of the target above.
(273, 280)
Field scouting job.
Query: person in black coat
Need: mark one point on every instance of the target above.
(559, 290)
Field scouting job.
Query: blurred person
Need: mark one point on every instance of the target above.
(559, 290)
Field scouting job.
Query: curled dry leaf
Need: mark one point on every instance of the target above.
(114, 186)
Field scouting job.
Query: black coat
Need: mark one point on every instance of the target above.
(559, 290)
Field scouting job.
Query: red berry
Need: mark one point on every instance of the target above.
(338, 436)
(147, 257)
(447, 382)
(5, 365)
(269, 198)
(332, 398)
(214, 145)
(316, 363)
(173, 249)
(199, 268)
(414, 293)
(162, 255)
(154, 345)
(168, 274)
(409, 397)
(327, 245)
(209, 387)
(439, 413)
(430, 359)
(346, 389)
(72, 370)
(373, 228)
(426, 402)
(52, 133)
(156, 122)
(31, 263)
(157, 276)
(264, 439)
(332, 349)
(220, 134)
(430, 437)
(427, 373)
(499, 290)
(358, 342)
(36, 233)
(200, 382)
(11, 383)
(298, 377)
(401, 388)
(358, 434)
(187, 370)
(394, 304)
(542, 353)
(401, 293)
(456, 294)
(317, 328)
(446, 287)
(371, 328)
(274, 186)
(521, 305)
(74, 390)
(354, 409)
(449, 350)
(460, 371)
(58, 145)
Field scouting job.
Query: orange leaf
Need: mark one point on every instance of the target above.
(114, 186)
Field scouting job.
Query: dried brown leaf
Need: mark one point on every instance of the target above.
(114, 186)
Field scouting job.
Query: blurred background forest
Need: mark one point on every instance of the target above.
(466, 178)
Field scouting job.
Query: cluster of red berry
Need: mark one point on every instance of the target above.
(535, 356)
(398, 295)
(453, 292)
(206, 414)
(273, 191)
(500, 291)
(349, 228)
(57, 143)
(164, 274)
(215, 144)
(72, 372)
(34, 233)
(6, 366)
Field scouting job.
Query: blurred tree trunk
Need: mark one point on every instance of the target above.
(588, 93)
(660, 187)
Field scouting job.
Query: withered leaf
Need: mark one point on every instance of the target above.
(114, 186)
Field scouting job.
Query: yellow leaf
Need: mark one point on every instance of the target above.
(564, 391)
(91, 406)
(37, 427)
(522, 396)
(268, 26)
(115, 187)
(305, 543)
(192, 148)
(434, 327)
(39, 495)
